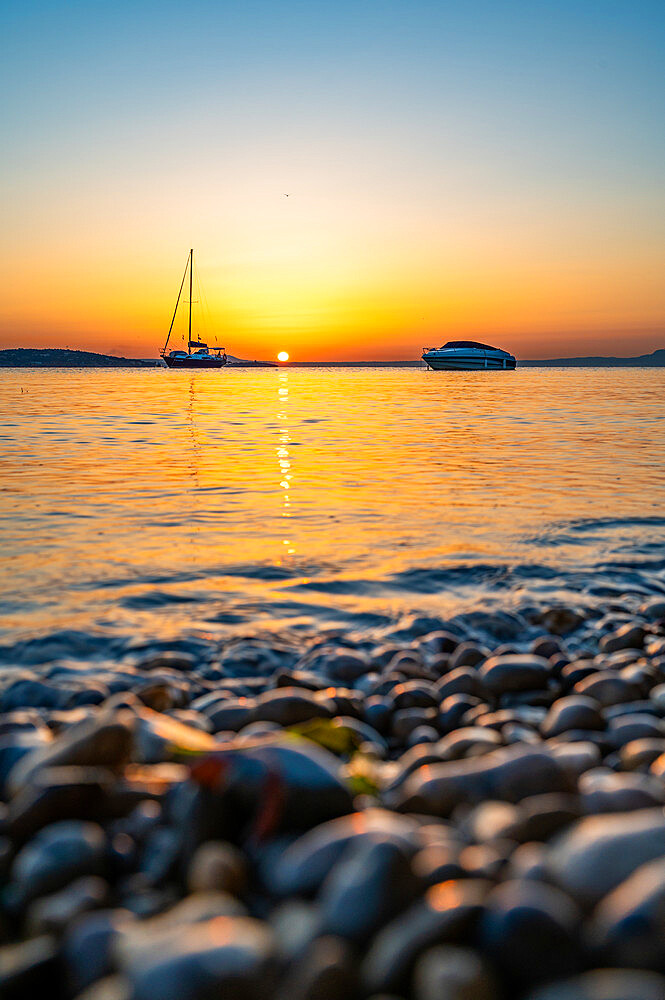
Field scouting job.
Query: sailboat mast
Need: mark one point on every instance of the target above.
(191, 268)
(175, 311)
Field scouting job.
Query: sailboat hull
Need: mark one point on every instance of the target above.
(194, 362)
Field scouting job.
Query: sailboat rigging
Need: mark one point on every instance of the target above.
(197, 354)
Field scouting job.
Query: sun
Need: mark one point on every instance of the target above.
(283, 356)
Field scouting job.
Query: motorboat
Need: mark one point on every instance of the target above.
(467, 355)
(197, 354)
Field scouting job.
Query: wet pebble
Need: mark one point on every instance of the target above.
(58, 854)
(604, 984)
(598, 852)
(448, 913)
(510, 773)
(372, 883)
(449, 972)
(572, 712)
(227, 956)
(515, 672)
(530, 930)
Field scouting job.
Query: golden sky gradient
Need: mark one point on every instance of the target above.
(443, 181)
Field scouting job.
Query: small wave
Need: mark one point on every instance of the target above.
(158, 599)
(63, 644)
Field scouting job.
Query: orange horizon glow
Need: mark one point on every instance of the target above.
(331, 315)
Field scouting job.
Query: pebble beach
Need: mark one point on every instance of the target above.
(412, 814)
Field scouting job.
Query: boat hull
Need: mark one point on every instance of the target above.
(469, 361)
(198, 363)
(471, 364)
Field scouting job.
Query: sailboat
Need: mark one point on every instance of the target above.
(197, 354)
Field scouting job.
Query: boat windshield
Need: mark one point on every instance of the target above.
(468, 343)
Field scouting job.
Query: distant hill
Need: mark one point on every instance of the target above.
(654, 360)
(53, 357)
(28, 357)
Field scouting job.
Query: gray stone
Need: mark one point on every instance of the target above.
(290, 706)
(226, 956)
(446, 915)
(515, 672)
(101, 742)
(370, 885)
(217, 866)
(599, 852)
(640, 754)
(326, 971)
(509, 774)
(449, 972)
(468, 654)
(530, 930)
(628, 636)
(52, 914)
(304, 865)
(604, 984)
(29, 968)
(629, 923)
(572, 712)
(604, 792)
(468, 741)
(58, 854)
(607, 688)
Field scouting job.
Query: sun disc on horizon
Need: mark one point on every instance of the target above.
(283, 356)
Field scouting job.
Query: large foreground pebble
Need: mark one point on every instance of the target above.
(230, 957)
(449, 913)
(509, 774)
(447, 972)
(599, 852)
(604, 984)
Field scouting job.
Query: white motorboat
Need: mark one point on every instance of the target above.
(467, 355)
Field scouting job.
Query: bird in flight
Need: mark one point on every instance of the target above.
(287, 196)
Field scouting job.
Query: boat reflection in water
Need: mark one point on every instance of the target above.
(467, 355)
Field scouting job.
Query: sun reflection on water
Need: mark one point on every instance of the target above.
(284, 456)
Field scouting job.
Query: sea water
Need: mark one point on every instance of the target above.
(138, 503)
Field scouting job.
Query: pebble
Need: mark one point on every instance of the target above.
(303, 866)
(602, 792)
(415, 813)
(515, 672)
(446, 914)
(28, 968)
(55, 856)
(510, 773)
(468, 654)
(628, 925)
(217, 866)
(629, 636)
(450, 972)
(607, 687)
(226, 956)
(327, 970)
(372, 883)
(572, 712)
(599, 852)
(530, 931)
(93, 743)
(604, 984)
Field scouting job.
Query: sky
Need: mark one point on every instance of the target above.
(358, 179)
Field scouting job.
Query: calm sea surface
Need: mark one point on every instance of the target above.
(148, 502)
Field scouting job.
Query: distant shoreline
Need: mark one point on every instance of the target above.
(26, 357)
